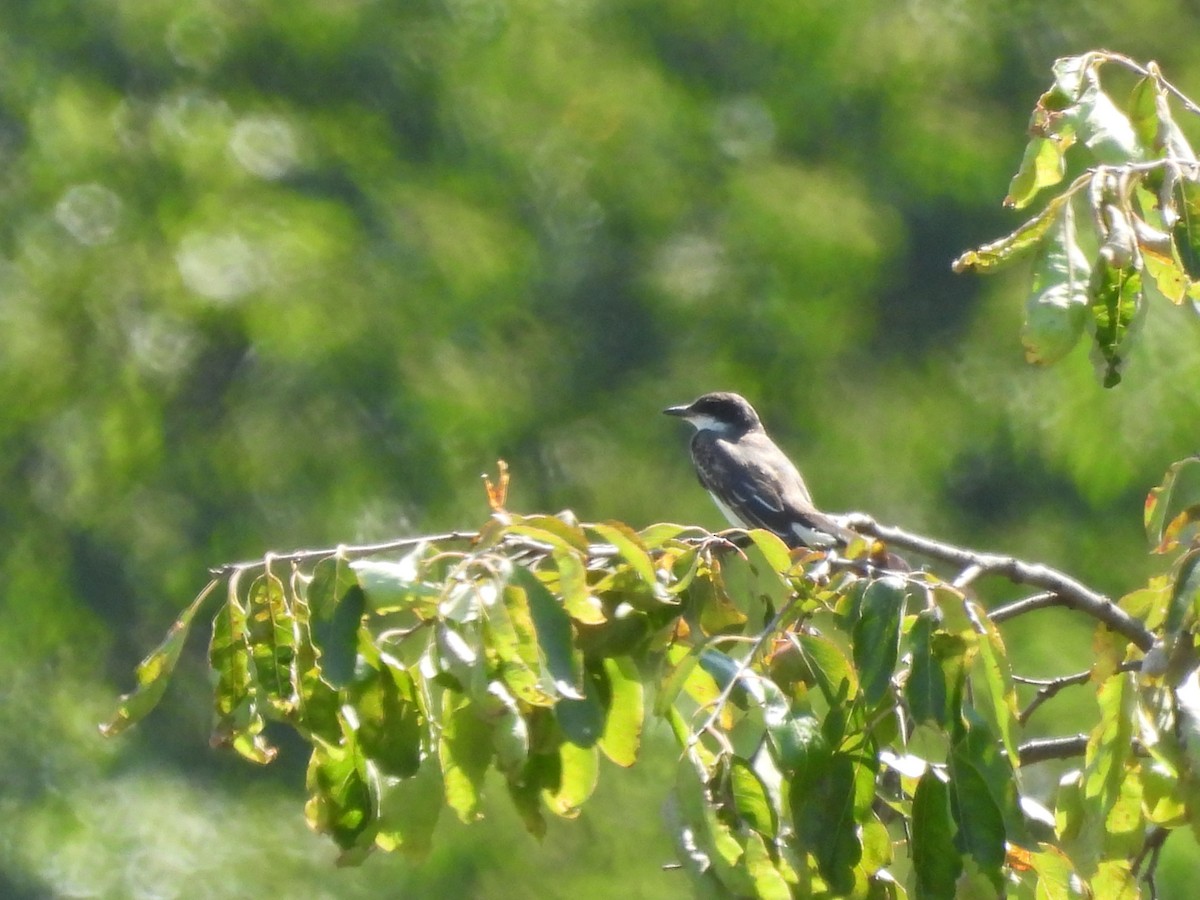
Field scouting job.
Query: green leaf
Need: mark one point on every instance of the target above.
(550, 530)
(1184, 606)
(271, 633)
(655, 536)
(1110, 745)
(935, 854)
(555, 638)
(579, 772)
(582, 721)
(822, 801)
(1102, 126)
(332, 578)
(154, 672)
(624, 716)
(1172, 509)
(317, 701)
(336, 636)
(510, 731)
(774, 550)
(769, 884)
(239, 724)
(933, 690)
(1056, 311)
(1116, 297)
(577, 598)
(1041, 166)
(992, 687)
(465, 752)
(631, 548)
(390, 586)
(992, 256)
(1186, 231)
(829, 670)
(751, 799)
(511, 644)
(877, 636)
(798, 742)
(340, 801)
(390, 721)
(980, 819)
(408, 812)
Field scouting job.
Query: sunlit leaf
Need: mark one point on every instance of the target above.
(340, 800)
(555, 639)
(270, 632)
(154, 672)
(580, 769)
(769, 884)
(623, 719)
(1116, 295)
(991, 256)
(1172, 509)
(751, 799)
(1041, 166)
(822, 803)
(465, 752)
(409, 809)
(577, 598)
(630, 546)
(993, 689)
(239, 723)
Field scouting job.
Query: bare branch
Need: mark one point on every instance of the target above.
(344, 550)
(1042, 749)
(1028, 604)
(1049, 687)
(1067, 591)
(1151, 849)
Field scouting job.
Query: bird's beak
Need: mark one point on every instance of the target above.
(681, 411)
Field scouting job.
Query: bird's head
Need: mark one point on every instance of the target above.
(723, 412)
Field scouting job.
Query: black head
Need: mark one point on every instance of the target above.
(720, 411)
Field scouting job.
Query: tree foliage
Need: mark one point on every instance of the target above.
(843, 729)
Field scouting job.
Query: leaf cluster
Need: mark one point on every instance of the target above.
(844, 731)
(1117, 234)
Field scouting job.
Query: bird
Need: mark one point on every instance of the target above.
(751, 480)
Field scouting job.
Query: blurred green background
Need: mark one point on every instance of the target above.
(281, 274)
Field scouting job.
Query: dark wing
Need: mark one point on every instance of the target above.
(755, 481)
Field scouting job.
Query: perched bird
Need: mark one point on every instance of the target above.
(752, 481)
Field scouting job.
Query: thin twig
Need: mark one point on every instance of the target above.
(1042, 749)
(1068, 592)
(1049, 687)
(1151, 850)
(344, 550)
(743, 666)
(1028, 604)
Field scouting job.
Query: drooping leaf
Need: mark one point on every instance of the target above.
(1172, 510)
(1056, 311)
(991, 256)
(1116, 296)
(511, 642)
(993, 689)
(1041, 166)
(979, 819)
(623, 719)
(154, 672)
(332, 578)
(394, 585)
(390, 721)
(822, 803)
(238, 723)
(877, 636)
(340, 800)
(555, 639)
(935, 853)
(271, 634)
(751, 798)
(582, 720)
(769, 883)
(579, 771)
(409, 809)
(577, 597)
(465, 752)
(630, 547)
